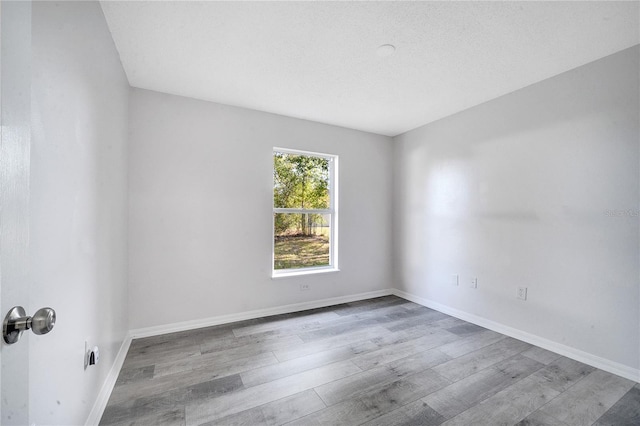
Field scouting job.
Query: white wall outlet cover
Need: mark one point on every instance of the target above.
(454, 279)
(96, 354)
(91, 356)
(522, 293)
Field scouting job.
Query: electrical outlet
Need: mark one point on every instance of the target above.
(474, 282)
(454, 279)
(522, 293)
(304, 287)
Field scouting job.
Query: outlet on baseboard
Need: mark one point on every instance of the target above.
(304, 287)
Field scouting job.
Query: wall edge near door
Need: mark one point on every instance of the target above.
(568, 351)
(259, 313)
(109, 382)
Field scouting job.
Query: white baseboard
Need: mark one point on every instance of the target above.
(107, 387)
(573, 353)
(259, 313)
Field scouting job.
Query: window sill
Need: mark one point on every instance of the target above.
(297, 272)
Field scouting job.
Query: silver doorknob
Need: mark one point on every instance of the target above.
(43, 321)
(17, 321)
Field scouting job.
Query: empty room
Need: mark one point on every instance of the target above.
(320, 213)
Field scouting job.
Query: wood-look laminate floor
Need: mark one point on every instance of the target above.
(382, 361)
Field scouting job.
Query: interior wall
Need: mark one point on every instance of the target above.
(78, 206)
(200, 218)
(538, 188)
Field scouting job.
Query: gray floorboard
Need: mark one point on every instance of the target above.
(471, 363)
(291, 408)
(587, 400)
(625, 412)
(538, 418)
(383, 361)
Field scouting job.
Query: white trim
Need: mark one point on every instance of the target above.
(109, 382)
(570, 352)
(302, 211)
(302, 152)
(333, 194)
(283, 273)
(259, 313)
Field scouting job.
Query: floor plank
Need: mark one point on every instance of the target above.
(625, 412)
(471, 343)
(488, 382)
(200, 412)
(539, 418)
(543, 356)
(146, 406)
(348, 387)
(562, 373)
(375, 402)
(292, 408)
(402, 350)
(348, 338)
(523, 397)
(275, 371)
(471, 363)
(446, 403)
(251, 417)
(587, 400)
(213, 365)
(417, 413)
(288, 325)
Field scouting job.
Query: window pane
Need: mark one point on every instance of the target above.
(301, 240)
(300, 181)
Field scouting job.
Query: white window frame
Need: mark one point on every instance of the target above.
(332, 211)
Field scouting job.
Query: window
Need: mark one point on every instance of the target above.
(305, 214)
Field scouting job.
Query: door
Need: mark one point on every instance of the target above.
(15, 137)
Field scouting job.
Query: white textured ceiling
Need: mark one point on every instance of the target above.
(318, 61)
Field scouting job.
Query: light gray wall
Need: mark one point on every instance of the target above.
(78, 206)
(200, 218)
(538, 188)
